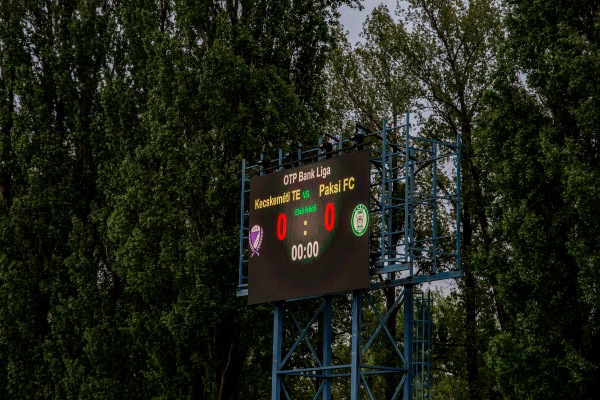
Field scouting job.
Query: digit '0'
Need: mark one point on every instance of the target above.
(281, 226)
(329, 216)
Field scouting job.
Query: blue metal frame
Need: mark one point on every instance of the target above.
(421, 250)
(422, 349)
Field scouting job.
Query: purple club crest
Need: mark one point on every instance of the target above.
(256, 237)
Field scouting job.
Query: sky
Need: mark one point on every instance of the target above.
(353, 19)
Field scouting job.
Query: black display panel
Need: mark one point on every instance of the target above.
(309, 230)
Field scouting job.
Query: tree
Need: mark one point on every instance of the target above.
(445, 52)
(123, 125)
(50, 69)
(438, 59)
(367, 83)
(540, 147)
(449, 51)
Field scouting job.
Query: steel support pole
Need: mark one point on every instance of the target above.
(242, 227)
(384, 196)
(408, 178)
(277, 351)
(435, 207)
(408, 343)
(458, 196)
(327, 352)
(356, 347)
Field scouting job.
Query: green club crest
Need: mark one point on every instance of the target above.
(360, 220)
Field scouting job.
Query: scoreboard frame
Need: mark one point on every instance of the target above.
(308, 229)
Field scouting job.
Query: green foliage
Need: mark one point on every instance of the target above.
(530, 178)
(542, 156)
(122, 129)
(368, 83)
(437, 60)
(449, 353)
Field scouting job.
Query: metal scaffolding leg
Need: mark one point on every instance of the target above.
(408, 336)
(277, 351)
(356, 347)
(327, 338)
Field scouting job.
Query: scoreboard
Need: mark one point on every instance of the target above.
(309, 229)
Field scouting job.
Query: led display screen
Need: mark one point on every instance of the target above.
(308, 230)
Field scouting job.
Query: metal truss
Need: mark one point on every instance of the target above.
(304, 352)
(415, 208)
